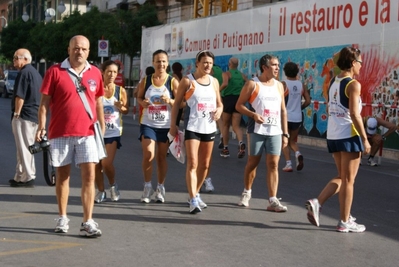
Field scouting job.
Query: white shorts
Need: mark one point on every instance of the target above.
(81, 149)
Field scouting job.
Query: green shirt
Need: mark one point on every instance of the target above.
(236, 82)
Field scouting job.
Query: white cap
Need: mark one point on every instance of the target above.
(372, 125)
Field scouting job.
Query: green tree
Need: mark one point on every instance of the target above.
(15, 36)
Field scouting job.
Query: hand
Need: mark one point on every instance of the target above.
(119, 104)
(258, 118)
(366, 146)
(165, 99)
(39, 134)
(173, 130)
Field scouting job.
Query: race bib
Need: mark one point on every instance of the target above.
(270, 117)
(205, 111)
(158, 113)
(110, 120)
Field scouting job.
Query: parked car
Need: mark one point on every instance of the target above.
(7, 82)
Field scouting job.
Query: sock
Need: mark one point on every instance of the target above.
(289, 162)
(148, 184)
(371, 157)
(297, 154)
(226, 147)
(160, 185)
(239, 143)
(249, 191)
(271, 199)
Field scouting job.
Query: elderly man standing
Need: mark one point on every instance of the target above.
(24, 106)
(71, 130)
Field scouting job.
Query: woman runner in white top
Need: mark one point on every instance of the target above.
(203, 108)
(346, 139)
(155, 95)
(115, 104)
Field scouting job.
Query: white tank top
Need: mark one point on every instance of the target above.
(112, 116)
(294, 100)
(340, 125)
(266, 100)
(158, 114)
(201, 102)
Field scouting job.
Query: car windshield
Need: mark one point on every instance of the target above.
(12, 75)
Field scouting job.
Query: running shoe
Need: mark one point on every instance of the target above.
(208, 186)
(194, 206)
(299, 162)
(241, 151)
(90, 229)
(287, 168)
(313, 207)
(115, 195)
(372, 163)
(147, 193)
(100, 197)
(225, 153)
(350, 226)
(201, 203)
(276, 206)
(62, 225)
(160, 194)
(244, 200)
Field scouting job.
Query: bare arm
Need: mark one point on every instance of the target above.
(225, 82)
(100, 113)
(42, 116)
(140, 94)
(389, 125)
(19, 102)
(219, 104)
(123, 104)
(179, 96)
(353, 92)
(243, 98)
(284, 120)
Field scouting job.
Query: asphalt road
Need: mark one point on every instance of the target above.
(136, 234)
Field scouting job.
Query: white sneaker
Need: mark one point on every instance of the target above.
(90, 229)
(201, 203)
(62, 225)
(194, 206)
(160, 194)
(372, 163)
(244, 200)
(287, 168)
(208, 186)
(313, 207)
(147, 193)
(115, 195)
(276, 206)
(100, 197)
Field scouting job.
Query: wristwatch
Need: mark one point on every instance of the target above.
(286, 135)
(16, 115)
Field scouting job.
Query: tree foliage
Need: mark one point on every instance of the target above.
(50, 40)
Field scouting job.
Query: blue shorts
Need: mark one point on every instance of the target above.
(351, 144)
(270, 143)
(156, 134)
(110, 140)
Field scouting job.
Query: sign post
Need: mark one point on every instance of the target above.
(103, 49)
